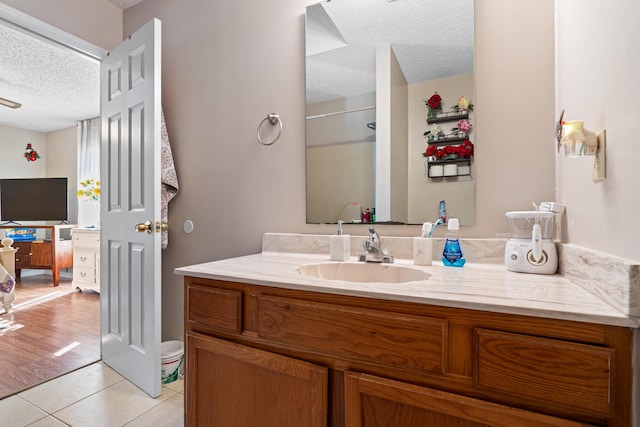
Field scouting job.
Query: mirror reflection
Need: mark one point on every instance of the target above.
(370, 67)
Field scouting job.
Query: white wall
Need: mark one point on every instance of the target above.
(598, 64)
(13, 142)
(62, 160)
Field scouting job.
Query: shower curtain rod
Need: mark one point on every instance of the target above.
(320, 116)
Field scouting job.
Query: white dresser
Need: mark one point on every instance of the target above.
(86, 258)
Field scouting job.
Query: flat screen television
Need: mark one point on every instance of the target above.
(33, 199)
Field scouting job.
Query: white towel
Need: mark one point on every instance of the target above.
(169, 180)
(6, 281)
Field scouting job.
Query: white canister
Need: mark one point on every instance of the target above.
(451, 170)
(422, 250)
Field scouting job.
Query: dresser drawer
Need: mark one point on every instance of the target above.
(83, 258)
(392, 339)
(89, 240)
(84, 274)
(214, 308)
(565, 373)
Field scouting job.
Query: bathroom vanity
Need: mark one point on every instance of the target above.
(466, 347)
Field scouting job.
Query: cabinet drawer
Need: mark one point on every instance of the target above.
(23, 260)
(84, 258)
(215, 308)
(86, 240)
(84, 274)
(543, 369)
(392, 339)
(23, 254)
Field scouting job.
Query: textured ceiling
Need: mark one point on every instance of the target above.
(125, 4)
(56, 86)
(432, 39)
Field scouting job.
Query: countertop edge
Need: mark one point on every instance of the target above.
(275, 270)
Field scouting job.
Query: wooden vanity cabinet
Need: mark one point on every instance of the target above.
(258, 355)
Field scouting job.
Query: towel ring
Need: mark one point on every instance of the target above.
(273, 119)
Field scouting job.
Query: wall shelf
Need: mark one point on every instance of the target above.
(439, 169)
(450, 161)
(463, 168)
(448, 140)
(449, 116)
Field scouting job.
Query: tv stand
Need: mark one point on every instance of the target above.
(51, 253)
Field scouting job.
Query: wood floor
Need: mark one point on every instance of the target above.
(50, 331)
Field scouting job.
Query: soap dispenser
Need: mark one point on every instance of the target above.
(339, 246)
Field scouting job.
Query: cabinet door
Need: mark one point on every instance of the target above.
(23, 254)
(228, 384)
(41, 254)
(377, 402)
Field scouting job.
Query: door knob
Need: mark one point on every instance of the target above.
(161, 226)
(146, 226)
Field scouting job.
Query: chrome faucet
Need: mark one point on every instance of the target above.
(373, 249)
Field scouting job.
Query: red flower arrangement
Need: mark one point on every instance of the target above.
(434, 104)
(464, 151)
(435, 101)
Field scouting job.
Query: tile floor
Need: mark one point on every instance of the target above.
(95, 395)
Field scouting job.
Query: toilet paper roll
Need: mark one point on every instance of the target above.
(451, 170)
(464, 170)
(436, 170)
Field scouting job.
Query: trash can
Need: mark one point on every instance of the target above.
(172, 361)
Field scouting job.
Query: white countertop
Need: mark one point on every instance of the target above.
(487, 287)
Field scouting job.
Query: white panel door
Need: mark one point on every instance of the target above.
(130, 282)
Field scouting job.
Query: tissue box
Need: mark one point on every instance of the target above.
(21, 234)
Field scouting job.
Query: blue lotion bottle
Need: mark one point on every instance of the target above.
(452, 254)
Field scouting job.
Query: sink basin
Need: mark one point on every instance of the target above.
(363, 272)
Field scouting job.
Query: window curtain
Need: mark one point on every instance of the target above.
(88, 150)
(88, 168)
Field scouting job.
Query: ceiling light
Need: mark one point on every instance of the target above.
(9, 103)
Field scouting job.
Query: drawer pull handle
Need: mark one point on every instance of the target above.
(83, 274)
(83, 258)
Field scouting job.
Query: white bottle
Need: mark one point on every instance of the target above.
(339, 246)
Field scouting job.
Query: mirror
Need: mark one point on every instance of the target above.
(370, 65)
